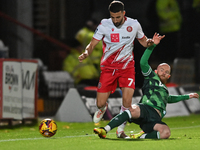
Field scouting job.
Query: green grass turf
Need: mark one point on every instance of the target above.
(185, 135)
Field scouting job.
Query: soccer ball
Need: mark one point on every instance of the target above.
(48, 127)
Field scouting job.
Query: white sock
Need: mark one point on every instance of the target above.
(143, 136)
(122, 126)
(103, 108)
(123, 109)
(107, 128)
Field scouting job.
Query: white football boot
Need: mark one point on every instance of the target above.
(99, 114)
(120, 131)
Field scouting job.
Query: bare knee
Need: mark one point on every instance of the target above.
(102, 99)
(135, 111)
(163, 130)
(165, 134)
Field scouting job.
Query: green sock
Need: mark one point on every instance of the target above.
(118, 120)
(153, 135)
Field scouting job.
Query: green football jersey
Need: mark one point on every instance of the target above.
(155, 93)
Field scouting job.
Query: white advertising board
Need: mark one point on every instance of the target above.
(29, 75)
(18, 89)
(12, 90)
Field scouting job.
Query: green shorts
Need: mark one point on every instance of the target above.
(148, 118)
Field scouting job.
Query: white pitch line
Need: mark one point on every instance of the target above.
(186, 127)
(42, 138)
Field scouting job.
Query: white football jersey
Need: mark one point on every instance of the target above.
(118, 42)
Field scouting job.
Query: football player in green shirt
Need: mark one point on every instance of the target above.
(148, 113)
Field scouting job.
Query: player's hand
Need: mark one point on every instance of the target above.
(150, 42)
(157, 38)
(83, 56)
(194, 95)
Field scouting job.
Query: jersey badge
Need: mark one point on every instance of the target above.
(112, 29)
(129, 28)
(99, 85)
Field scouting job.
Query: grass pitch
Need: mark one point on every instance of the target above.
(185, 135)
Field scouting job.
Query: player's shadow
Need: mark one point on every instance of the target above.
(128, 140)
(120, 139)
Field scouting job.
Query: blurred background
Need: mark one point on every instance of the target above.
(42, 29)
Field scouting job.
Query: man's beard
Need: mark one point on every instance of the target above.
(118, 23)
(164, 81)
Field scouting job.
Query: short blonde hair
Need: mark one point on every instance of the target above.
(164, 64)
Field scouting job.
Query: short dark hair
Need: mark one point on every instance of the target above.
(116, 6)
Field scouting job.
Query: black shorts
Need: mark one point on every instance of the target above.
(148, 118)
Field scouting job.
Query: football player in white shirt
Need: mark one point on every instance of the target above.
(117, 63)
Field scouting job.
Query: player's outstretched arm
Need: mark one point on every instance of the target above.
(146, 42)
(177, 98)
(145, 67)
(88, 49)
(157, 38)
(193, 95)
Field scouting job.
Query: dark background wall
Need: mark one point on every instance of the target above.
(61, 19)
